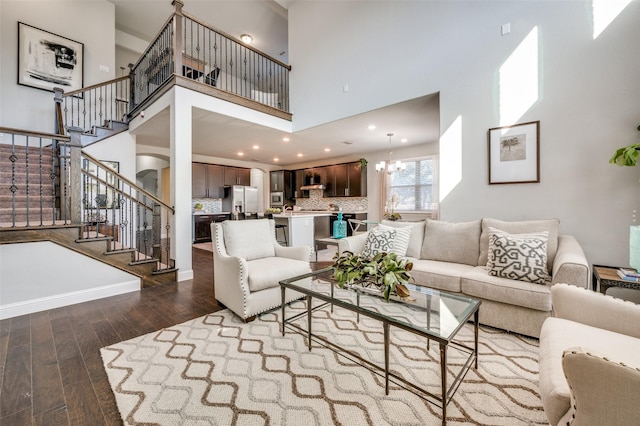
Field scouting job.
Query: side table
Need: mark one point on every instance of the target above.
(329, 241)
(605, 277)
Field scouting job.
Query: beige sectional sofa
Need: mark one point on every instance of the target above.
(453, 257)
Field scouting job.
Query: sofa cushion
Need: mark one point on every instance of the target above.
(379, 240)
(249, 239)
(400, 240)
(451, 242)
(478, 283)
(521, 227)
(439, 275)
(416, 238)
(559, 334)
(267, 272)
(521, 257)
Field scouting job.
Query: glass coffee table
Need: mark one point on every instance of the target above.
(435, 315)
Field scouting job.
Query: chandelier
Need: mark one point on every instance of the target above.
(391, 167)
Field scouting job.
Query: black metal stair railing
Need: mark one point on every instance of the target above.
(114, 207)
(47, 180)
(190, 48)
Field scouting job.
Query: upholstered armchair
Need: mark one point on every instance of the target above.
(589, 363)
(248, 265)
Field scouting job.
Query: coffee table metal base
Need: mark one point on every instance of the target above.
(438, 400)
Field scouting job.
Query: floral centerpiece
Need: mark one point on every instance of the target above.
(385, 271)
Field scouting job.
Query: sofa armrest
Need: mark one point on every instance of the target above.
(297, 253)
(602, 391)
(595, 309)
(354, 243)
(570, 265)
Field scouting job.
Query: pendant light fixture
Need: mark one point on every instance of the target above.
(391, 167)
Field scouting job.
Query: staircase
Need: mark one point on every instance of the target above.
(39, 201)
(27, 192)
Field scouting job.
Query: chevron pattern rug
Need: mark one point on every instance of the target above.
(217, 370)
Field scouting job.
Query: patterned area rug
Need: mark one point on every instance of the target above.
(218, 370)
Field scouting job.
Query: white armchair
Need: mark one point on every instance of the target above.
(248, 265)
(589, 364)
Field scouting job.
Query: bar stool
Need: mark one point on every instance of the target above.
(284, 232)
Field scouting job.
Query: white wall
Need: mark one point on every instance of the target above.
(587, 99)
(91, 23)
(63, 277)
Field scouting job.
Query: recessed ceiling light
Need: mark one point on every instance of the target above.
(286, 139)
(372, 127)
(300, 155)
(403, 140)
(327, 149)
(246, 38)
(240, 153)
(256, 147)
(276, 159)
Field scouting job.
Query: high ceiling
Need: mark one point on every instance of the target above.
(221, 136)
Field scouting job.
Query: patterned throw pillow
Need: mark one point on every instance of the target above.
(379, 240)
(521, 257)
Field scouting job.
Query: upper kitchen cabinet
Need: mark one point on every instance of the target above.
(346, 180)
(299, 182)
(282, 181)
(207, 180)
(237, 176)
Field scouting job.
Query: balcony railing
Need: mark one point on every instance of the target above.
(210, 57)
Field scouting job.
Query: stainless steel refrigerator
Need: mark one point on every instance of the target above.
(240, 199)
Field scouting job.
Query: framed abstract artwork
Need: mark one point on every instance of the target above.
(47, 60)
(514, 153)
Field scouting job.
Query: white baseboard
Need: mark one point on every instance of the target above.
(185, 275)
(56, 301)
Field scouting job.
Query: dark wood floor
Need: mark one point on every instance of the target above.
(50, 363)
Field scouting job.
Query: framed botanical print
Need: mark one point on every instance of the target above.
(514, 153)
(47, 60)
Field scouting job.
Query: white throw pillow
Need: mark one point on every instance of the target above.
(401, 241)
(417, 235)
(521, 257)
(379, 240)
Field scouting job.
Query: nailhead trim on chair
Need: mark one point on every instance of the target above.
(573, 415)
(222, 249)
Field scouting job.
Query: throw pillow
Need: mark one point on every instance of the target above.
(452, 242)
(378, 241)
(416, 235)
(521, 257)
(401, 240)
(521, 227)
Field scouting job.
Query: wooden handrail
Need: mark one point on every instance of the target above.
(95, 86)
(132, 184)
(35, 134)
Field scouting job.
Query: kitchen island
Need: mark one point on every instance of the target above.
(303, 228)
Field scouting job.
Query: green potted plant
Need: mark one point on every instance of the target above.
(385, 271)
(627, 155)
(197, 206)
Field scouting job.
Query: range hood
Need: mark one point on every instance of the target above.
(307, 187)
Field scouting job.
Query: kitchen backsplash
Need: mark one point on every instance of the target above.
(210, 205)
(317, 202)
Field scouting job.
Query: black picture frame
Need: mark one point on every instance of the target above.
(47, 60)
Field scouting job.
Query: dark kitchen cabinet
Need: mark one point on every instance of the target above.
(206, 180)
(282, 181)
(299, 182)
(237, 176)
(202, 226)
(346, 180)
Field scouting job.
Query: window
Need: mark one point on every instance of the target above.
(415, 188)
